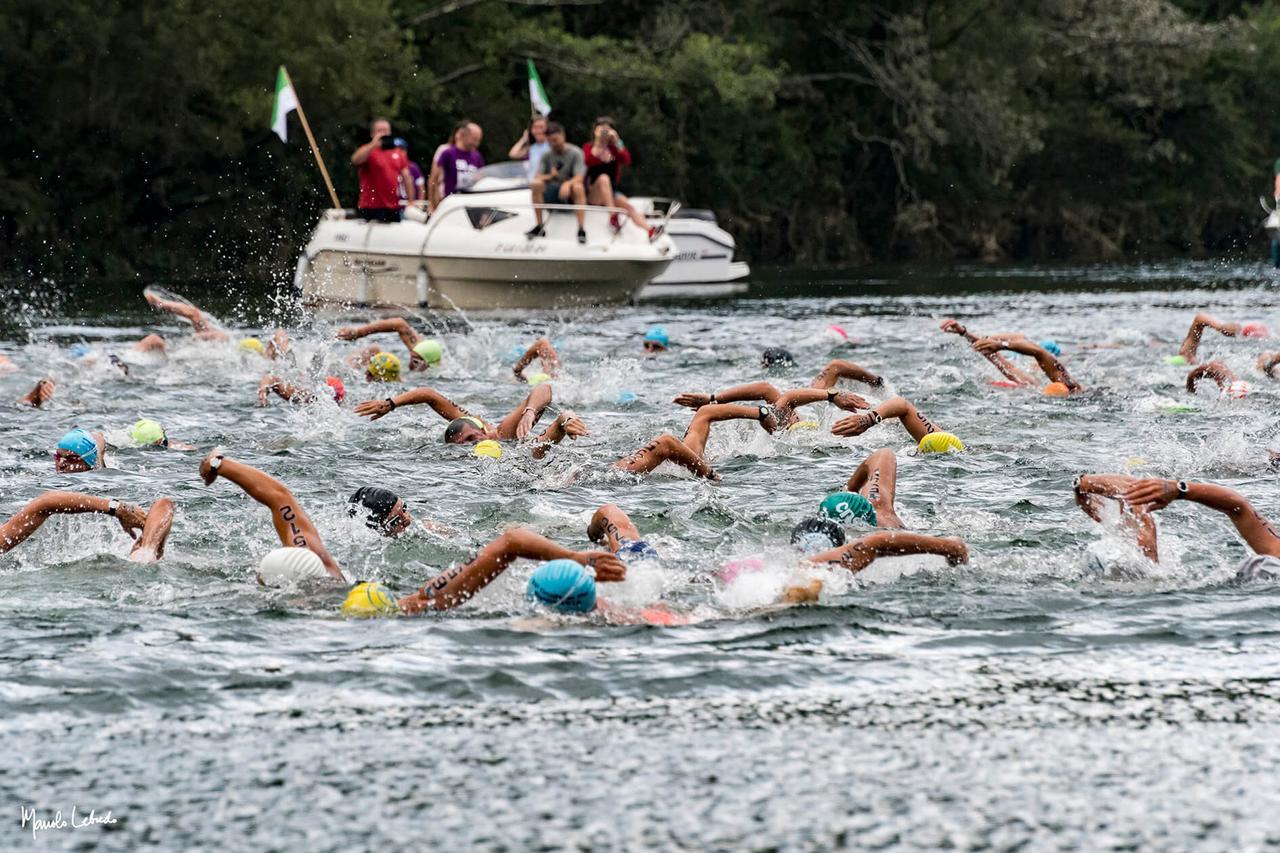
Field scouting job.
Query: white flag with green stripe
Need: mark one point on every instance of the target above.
(286, 102)
(537, 94)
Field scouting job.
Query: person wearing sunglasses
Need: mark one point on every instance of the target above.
(79, 451)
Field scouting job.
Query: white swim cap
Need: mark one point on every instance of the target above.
(290, 565)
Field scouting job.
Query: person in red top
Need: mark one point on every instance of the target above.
(383, 170)
(605, 156)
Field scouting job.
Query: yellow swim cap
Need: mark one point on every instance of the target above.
(368, 599)
(384, 367)
(803, 425)
(429, 351)
(252, 345)
(941, 442)
(1056, 389)
(489, 448)
(538, 378)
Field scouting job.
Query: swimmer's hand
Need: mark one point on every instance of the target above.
(953, 327)
(571, 425)
(416, 362)
(528, 418)
(850, 401)
(959, 554)
(807, 594)
(855, 424)
(989, 346)
(346, 333)
(1152, 493)
(207, 472)
(770, 422)
(609, 569)
(692, 401)
(373, 409)
(132, 518)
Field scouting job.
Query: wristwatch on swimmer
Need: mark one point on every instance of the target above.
(764, 412)
(831, 395)
(1182, 488)
(112, 506)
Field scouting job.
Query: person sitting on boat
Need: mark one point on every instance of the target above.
(559, 180)
(423, 351)
(605, 156)
(460, 161)
(531, 145)
(466, 428)
(384, 175)
(153, 523)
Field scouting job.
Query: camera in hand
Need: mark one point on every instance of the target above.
(388, 142)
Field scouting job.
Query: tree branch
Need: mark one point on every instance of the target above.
(452, 6)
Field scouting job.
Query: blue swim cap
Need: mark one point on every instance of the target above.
(626, 398)
(658, 335)
(81, 444)
(80, 350)
(1052, 346)
(563, 585)
(638, 550)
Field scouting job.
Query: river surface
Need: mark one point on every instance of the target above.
(1026, 700)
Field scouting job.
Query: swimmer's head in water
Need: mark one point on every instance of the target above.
(80, 350)
(336, 388)
(626, 398)
(488, 449)
(252, 345)
(847, 507)
(368, 599)
(1238, 390)
(147, 432)
(76, 451)
(290, 565)
(1056, 389)
(563, 585)
(464, 430)
(776, 357)
(656, 340)
(940, 442)
(383, 509)
(802, 425)
(1052, 346)
(538, 378)
(815, 535)
(428, 350)
(1176, 360)
(383, 367)
(1255, 330)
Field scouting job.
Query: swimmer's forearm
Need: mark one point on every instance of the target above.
(443, 406)
(841, 369)
(1256, 531)
(260, 486)
(750, 391)
(900, 543)
(29, 519)
(456, 586)
(390, 324)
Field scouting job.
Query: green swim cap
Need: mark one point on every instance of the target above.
(847, 507)
(1175, 360)
(429, 351)
(147, 432)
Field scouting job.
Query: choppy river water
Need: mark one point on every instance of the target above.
(1023, 699)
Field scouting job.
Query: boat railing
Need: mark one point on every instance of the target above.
(440, 216)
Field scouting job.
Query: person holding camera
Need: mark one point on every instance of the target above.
(605, 156)
(384, 173)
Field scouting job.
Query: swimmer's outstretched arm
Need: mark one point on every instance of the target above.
(737, 394)
(292, 393)
(542, 350)
(861, 553)
(1002, 364)
(846, 400)
(1267, 363)
(39, 395)
(408, 336)
(666, 448)
(1202, 321)
(278, 346)
(1156, 494)
(28, 520)
(198, 319)
(292, 524)
(840, 369)
(442, 405)
(523, 417)
(695, 437)
(1091, 489)
(1048, 362)
(609, 525)
(566, 424)
(455, 586)
(915, 423)
(1215, 370)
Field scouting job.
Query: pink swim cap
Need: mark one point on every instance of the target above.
(1238, 389)
(1255, 330)
(838, 330)
(730, 570)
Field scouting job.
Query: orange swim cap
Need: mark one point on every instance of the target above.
(1056, 389)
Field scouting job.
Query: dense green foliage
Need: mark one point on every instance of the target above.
(823, 132)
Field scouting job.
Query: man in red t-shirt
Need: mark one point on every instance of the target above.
(605, 156)
(383, 171)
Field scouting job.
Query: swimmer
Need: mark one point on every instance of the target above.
(1227, 381)
(546, 354)
(383, 510)
(152, 343)
(688, 452)
(1267, 363)
(862, 552)
(1048, 362)
(466, 428)
(202, 324)
(1202, 321)
(153, 523)
(39, 395)
(148, 433)
(1090, 491)
(784, 403)
(656, 340)
(291, 522)
(1152, 495)
(776, 357)
(80, 450)
(269, 385)
(423, 352)
(1008, 369)
(916, 424)
(613, 528)
(7, 365)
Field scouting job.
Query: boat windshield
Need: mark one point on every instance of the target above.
(500, 176)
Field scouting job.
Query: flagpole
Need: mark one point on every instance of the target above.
(306, 128)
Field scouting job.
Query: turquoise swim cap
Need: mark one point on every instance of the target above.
(563, 585)
(846, 507)
(626, 398)
(658, 335)
(81, 444)
(80, 350)
(1052, 346)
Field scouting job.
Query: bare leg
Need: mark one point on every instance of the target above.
(877, 480)
(620, 200)
(602, 191)
(575, 194)
(610, 525)
(666, 448)
(536, 188)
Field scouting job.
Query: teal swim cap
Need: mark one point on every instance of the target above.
(658, 335)
(79, 442)
(1052, 346)
(563, 585)
(847, 507)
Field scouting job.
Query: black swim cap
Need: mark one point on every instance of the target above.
(377, 503)
(814, 535)
(776, 357)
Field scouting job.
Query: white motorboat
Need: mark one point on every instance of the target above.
(473, 253)
(704, 250)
